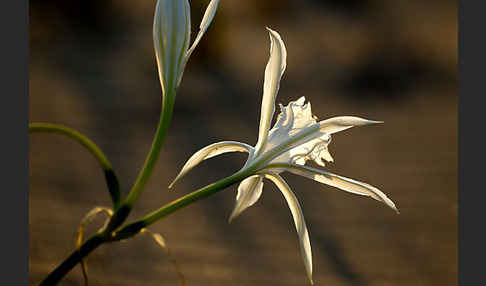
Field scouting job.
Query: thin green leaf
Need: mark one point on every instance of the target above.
(110, 176)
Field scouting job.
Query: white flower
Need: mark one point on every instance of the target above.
(295, 138)
(172, 33)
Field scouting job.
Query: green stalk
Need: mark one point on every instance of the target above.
(134, 227)
(153, 156)
(110, 176)
(126, 206)
(73, 259)
(121, 210)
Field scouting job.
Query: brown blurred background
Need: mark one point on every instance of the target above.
(92, 68)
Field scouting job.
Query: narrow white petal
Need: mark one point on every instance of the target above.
(209, 152)
(274, 70)
(300, 226)
(340, 123)
(207, 19)
(318, 131)
(249, 191)
(343, 183)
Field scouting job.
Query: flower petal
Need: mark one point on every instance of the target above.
(273, 73)
(291, 119)
(209, 152)
(343, 183)
(314, 133)
(207, 19)
(249, 191)
(340, 123)
(300, 226)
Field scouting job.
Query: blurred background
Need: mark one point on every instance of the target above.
(92, 67)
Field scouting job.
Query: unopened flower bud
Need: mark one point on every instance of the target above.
(172, 32)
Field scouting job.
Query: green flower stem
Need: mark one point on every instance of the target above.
(134, 227)
(73, 259)
(162, 129)
(110, 176)
(121, 210)
(126, 206)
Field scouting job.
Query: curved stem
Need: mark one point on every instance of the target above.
(122, 210)
(152, 157)
(162, 128)
(110, 176)
(134, 227)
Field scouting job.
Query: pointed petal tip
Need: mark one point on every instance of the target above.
(309, 277)
(301, 100)
(384, 199)
(375, 122)
(340, 123)
(392, 205)
(171, 186)
(232, 217)
(176, 179)
(273, 32)
(370, 122)
(234, 214)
